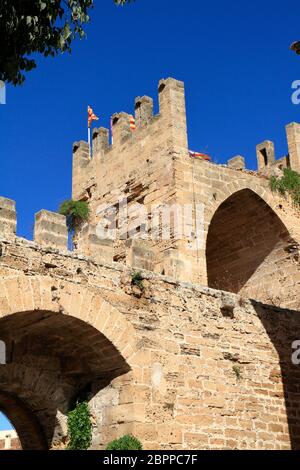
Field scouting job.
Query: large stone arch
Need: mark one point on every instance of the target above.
(249, 249)
(282, 208)
(60, 338)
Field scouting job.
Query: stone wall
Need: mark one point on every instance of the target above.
(168, 358)
(206, 369)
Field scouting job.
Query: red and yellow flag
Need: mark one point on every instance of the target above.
(132, 123)
(91, 116)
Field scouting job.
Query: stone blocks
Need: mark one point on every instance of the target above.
(8, 220)
(50, 230)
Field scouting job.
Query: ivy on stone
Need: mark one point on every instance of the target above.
(288, 183)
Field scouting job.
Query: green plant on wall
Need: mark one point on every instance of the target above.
(76, 212)
(127, 442)
(137, 280)
(79, 427)
(288, 183)
(237, 370)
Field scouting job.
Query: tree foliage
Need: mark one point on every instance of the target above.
(295, 47)
(47, 27)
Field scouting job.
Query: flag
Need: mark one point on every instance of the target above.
(91, 116)
(203, 156)
(132, 123)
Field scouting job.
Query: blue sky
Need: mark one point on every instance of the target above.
(5, 424)
(233, 56)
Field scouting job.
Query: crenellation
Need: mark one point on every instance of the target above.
(172, 109)
(236, 163)
(293, 138)
(82, 168)
(8, 216)
(100, 139)
(143, 110)
(81, 150)
(50, 229)
(265, 153)
(120, 128)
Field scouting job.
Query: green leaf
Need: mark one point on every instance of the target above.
(49, 30)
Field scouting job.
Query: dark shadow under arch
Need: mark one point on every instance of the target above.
(244, 233)
(52, 359)
(29, 431)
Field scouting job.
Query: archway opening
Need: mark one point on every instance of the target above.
(51, 360)
(249, 249)
(9, 439)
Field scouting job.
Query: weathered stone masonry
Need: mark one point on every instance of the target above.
(179, 364)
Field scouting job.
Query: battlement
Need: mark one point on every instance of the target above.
(167, 130)
(50, 233)
(265, 151)
(164, 136)
(147, 173)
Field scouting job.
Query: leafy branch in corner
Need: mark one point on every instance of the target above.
(47, 27)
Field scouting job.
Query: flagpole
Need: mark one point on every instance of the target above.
(89, 141)
(111, 131)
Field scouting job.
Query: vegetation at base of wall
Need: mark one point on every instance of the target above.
(288, 183)
(127, 442)
(79, 427)
(137, 280)
(237, 370)
(76, 212)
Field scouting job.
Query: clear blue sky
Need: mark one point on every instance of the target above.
(233, 56)
(5, 424)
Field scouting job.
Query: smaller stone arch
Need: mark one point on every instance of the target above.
(26, 425)
(65, 342)
(30, 293)
(250, 250)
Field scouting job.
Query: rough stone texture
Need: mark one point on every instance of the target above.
(8, 218)
(237, 163)
(151, 167)
(160, 364)
(293, 137)
(140, 255)
(88, 243)
(183, 360)
(50, 230)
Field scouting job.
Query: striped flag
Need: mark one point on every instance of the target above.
(91, 116)
(202, 156)
(132, 123)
